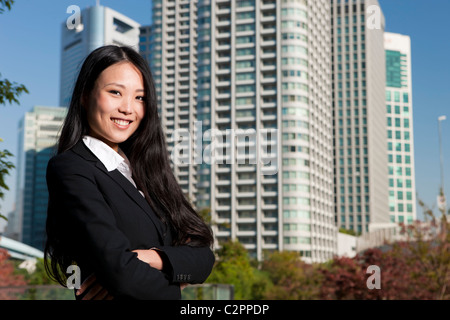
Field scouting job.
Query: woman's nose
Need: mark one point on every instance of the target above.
(125, 107)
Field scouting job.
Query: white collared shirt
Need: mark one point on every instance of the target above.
(111, 159)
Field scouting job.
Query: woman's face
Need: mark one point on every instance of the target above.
(116, 105)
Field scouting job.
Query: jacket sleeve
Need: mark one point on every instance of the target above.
(87, 224)
(189, 264)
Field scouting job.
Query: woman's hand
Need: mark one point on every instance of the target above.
(183, 285)
(151, 257)
(95, 291)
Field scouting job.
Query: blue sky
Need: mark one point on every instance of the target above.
(30, 54)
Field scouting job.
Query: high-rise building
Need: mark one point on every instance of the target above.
(98, 26)
(360, 137)
(145, 38)
(402, 188)
(256, 74)
(38, 133)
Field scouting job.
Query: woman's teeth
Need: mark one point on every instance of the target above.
(121, 122)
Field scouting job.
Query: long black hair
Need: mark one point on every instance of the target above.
(146, 150)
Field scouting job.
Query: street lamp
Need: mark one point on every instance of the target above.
(441, 198)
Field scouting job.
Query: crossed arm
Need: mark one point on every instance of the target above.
(93, 290)
(86, 225)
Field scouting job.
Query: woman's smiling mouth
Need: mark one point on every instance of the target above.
(121, 123)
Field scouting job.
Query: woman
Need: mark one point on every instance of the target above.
(115, 208)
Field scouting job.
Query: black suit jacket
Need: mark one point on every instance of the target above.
(100, 217)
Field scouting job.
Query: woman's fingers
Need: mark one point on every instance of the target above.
(183, 285)
(101, 295)
(86, 284)
(93, 290)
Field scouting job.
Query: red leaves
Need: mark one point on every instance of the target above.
(403, 277)
(8, 278)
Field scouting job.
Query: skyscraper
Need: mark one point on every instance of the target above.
(98, 26)
(145, 38)
(402, 189)
(256, 73)
(360, 138)
(38, 133)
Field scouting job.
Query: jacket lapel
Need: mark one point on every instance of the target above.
(126, 185)
(134, 194)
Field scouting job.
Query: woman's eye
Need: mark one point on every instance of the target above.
(140, 98)
(114, 92)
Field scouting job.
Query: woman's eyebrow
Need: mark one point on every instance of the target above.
(115, 84)
(122, 86)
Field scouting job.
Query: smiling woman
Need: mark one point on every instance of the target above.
(115, 208)
(116, 105)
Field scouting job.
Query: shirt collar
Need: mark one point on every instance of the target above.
(110, 158)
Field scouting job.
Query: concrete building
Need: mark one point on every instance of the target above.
(251, 80)
(399, 108)
(145, 39)
(97, 26)
(38, 133)
(347, 244)
(360, 137)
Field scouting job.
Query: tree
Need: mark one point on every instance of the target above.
(402, 275)
(343, 279)
(233, 266)
(5, 166)
(292, 278)
(8, 278)
(5, 3)
(429, 244)
(9, 92)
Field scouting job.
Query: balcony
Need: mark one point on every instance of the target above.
(246, 194)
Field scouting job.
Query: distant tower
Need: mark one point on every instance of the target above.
(402, 187)
(38, 133)
(359, 81)
(99, 26)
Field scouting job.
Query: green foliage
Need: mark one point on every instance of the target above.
(346, 231)
(38, 277)
(5, 167)
(233, 267)
(291, 278)
(430, 246)
(10, 91)
(5, 3)
(39, 285)
(205, 214)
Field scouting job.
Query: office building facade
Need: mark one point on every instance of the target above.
(39, 130)
(97, 26)
(251, 81)
(360, 137)
(399, 108)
